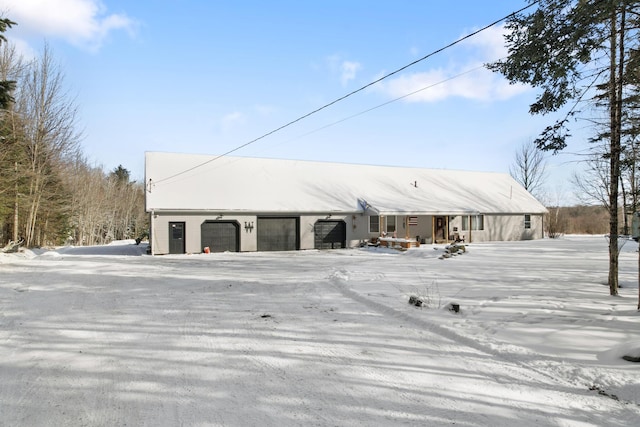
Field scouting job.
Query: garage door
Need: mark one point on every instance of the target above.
(278, 234)
(330, 234)
(220, 236)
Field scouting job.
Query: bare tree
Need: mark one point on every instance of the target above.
(556, 217)
(48, 191)
(104, 207)
(529, 168)
(592, 184)
(49, 136)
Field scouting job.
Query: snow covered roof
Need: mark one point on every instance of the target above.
(238, 184)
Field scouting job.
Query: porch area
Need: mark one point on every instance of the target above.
(410, 231)
(398, 243)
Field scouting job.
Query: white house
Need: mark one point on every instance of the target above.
(208, 203)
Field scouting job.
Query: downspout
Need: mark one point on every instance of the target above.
(152, 236)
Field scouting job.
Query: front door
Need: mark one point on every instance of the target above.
(440, 229)
(176, 237)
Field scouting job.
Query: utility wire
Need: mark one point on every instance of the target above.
(347, 95)
(391, 101)
(360, 113)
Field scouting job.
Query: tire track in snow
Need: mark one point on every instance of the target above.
(339, 278)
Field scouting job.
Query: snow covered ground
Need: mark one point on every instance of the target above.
(108, 336)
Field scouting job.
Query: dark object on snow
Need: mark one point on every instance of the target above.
(631, 358)
(601, 392)
(417, 301)
(138, 240)
(456, 248)
(373, 242)
(12, 246)
(454, 307)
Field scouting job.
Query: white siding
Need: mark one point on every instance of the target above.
(506, 228)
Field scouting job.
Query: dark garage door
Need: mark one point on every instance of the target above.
(330, 234)
(278, 234)
(220, 236)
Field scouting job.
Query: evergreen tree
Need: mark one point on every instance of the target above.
(6, 86)
(578, 51)
(121, 175)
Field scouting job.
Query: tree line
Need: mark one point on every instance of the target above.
(50, 193)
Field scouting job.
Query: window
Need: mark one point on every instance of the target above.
(527, 222)
(391, 223)
(477, 222)
(177, 231)
(374, 224)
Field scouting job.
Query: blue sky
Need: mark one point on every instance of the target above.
(201, 76)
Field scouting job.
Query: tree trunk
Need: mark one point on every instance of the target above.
(625, 220)
(615, 105)
(16, 236)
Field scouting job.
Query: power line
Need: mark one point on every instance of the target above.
(384, 104)
(360, 113)
(348, 94)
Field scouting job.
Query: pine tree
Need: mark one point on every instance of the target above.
(578, 51)
(6, 86)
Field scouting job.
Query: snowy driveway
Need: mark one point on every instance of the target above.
(90, 337)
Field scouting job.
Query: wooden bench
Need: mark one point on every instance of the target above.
(392, 242)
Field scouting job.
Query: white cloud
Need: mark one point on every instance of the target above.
(264, 110)
(84, 23)
(231, 120)
(489, 43)
(349, 70)
(23, 48)
(437, 85)
(463, 79)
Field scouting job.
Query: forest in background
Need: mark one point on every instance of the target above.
(50, 193)
(577, 220)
